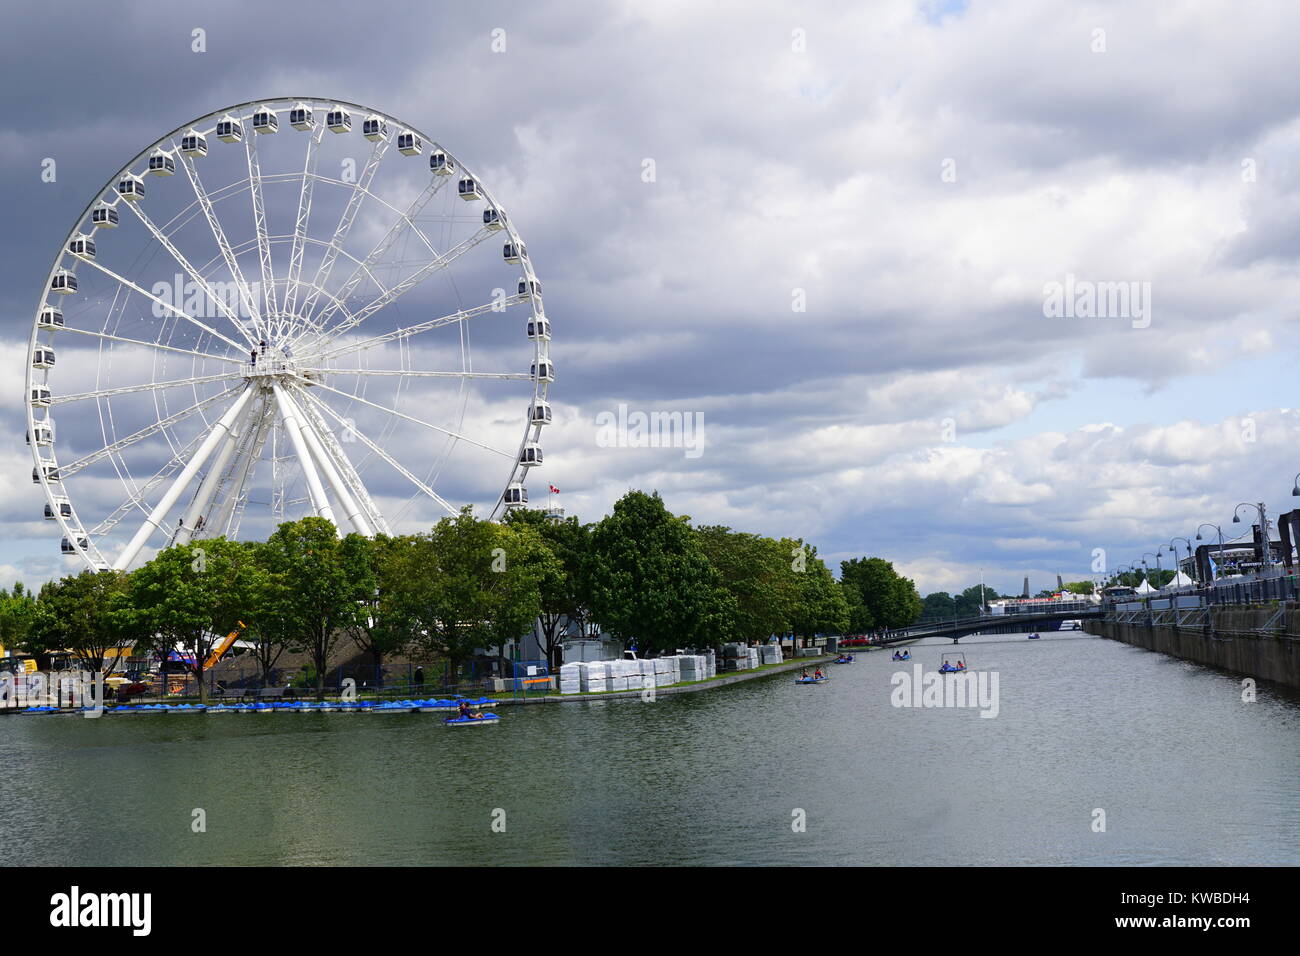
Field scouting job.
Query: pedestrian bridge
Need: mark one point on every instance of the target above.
(964, 627)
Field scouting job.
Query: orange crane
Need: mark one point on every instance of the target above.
(224, 646)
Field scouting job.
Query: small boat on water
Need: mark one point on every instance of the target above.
(903, 657)
(470, 721)
(957, 664)
(1033, 637)
(811, 680)
(843, 659)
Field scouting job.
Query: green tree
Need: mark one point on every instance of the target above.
(382, 628)
(318, 586)
(471, 584)
(17, 613)
(757, 573)
(1080, 587)
(77, 614)
(938, 606)
(878, 595)
(821, 607)
(564, 594)
(968, 603)
(650, 584)
(190, 596)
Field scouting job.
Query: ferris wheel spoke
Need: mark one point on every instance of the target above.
(364, 269)
(315, 489)
(156, 517)
(85, 461)
(418, 329)
(180, 313)
(232, 495)
(343, 463)
(150, 345)
(259, 224)
(184, 263)
(389, 296)
(219, 234)
(300, 223)
(410, 373)
(417, 421)
(326, 463)
(192, 521)
(141, 491)
(360, 189)
(145, 387)
(379, 452)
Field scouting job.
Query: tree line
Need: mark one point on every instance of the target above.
(646, 576)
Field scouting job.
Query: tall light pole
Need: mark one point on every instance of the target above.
(1218, 565)
(1295, 491)
(1174, 552)
(1263, 528)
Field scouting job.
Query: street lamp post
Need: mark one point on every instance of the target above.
(1159, 570)
(1263, 528)
(1174, 551)
(1218, 565)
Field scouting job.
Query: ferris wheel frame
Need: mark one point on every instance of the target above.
(301, 415)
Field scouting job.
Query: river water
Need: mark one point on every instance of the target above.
(760, 772)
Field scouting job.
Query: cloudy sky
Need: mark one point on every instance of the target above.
(844, 258)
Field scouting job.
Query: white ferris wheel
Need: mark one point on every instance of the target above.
(267, 314)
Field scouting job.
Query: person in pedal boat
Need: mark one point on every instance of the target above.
(465, 710)
(817, 675)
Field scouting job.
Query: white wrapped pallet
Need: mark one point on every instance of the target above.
(618, 683)
(570, 687)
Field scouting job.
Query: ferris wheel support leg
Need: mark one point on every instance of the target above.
(289, 415)
(326, 463)
(207, 488)
(159, 513)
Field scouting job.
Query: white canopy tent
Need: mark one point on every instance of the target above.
(1179, 580)
(1144, 588)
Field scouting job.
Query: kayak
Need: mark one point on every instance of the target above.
(954, 670)
(902, 658)
(1034, 637)
(467, 721)
(811, 680)
(846, 660)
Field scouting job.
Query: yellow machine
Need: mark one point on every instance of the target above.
(219, 651)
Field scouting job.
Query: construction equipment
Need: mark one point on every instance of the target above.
(219, 651)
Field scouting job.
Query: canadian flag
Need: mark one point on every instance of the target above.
(554, 490)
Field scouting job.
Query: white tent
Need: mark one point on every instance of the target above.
(1179, 580)
(1144, 588)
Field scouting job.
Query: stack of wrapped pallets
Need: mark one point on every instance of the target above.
(620, 675)
(692, 667)
(571, 678)
(595, 677)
